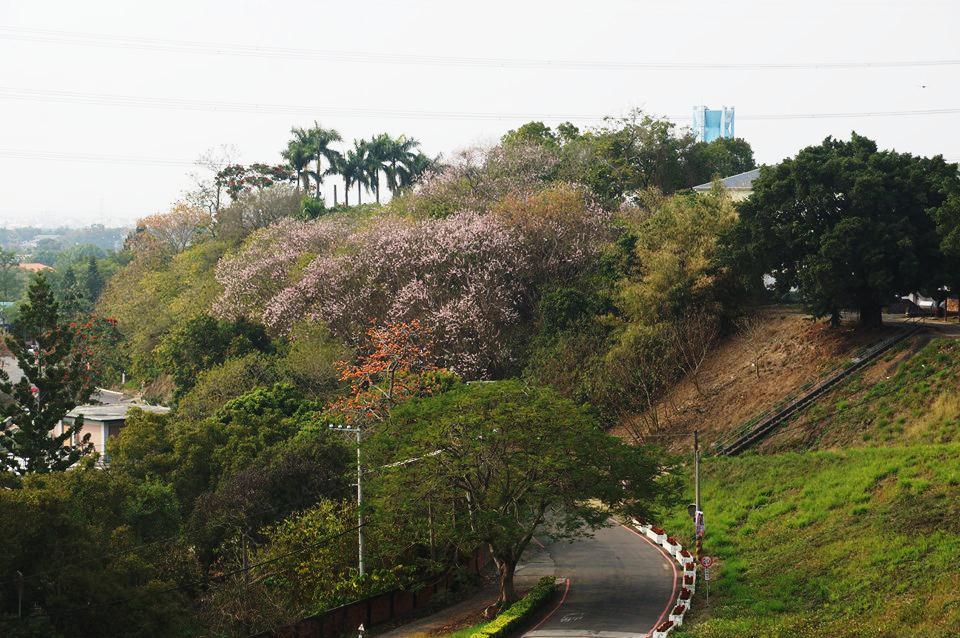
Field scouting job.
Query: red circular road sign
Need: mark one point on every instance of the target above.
(706, 561)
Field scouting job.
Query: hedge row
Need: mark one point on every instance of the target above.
(518, 612)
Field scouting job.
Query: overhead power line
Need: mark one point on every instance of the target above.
(166, 103)
(75, 38)
(89, 158)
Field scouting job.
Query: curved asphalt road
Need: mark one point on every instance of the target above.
(620, 585)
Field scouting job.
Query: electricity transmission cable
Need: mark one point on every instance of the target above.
(165, 103)
(90, 158)
(123, 42)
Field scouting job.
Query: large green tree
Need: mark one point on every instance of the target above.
(203, 342)
(948, 229)
(514, 460)
(847, 224)
(56, 378)
(298, 156)
(722, 157)
(400, 162)
(90, 546)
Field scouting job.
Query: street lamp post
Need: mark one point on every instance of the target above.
(358, 432)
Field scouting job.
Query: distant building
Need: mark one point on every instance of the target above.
(101, 420)
(34, 267)
(36, 240)
(710, 124)
(104, 421)
(739, 186)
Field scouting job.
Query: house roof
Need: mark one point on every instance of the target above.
(739, 182)
(113, 411)
(34, 266)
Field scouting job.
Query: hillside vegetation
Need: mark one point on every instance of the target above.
(845, 543)
(910, 396)
(571, 272)
(776, 354)
(260, 316)
(859, 534)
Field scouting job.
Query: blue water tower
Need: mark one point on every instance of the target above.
(709, 124)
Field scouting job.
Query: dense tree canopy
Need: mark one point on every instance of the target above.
(202, 342)
(848, 224)
(632, 154)
(519, 459)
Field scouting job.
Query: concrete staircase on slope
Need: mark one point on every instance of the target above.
(759, 427)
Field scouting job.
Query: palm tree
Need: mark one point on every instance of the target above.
(317, 141)
(414, 168)
(399, 158)
(298, 156)
(378, 158)
(353, 168)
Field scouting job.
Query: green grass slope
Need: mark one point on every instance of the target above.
(910, 397)
(850, 543)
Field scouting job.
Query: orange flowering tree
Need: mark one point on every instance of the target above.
(395, 364)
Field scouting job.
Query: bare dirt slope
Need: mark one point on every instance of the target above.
(747, 374)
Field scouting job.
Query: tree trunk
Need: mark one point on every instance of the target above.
(508, 594)
(346, 194)
(318, 177)
(376, 189)
(359, 195)
(871, 315)
(835, 318)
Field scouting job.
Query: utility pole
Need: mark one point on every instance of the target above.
(19, 594)
(358, 432)
(698, 527)
(696, 468)
(246, 582)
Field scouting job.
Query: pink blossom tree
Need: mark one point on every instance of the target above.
(471, 278)
(268, 263)
(464, 276)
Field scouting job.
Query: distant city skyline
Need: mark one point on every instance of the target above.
(110, 102)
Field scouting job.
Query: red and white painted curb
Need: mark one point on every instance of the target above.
(679, 603)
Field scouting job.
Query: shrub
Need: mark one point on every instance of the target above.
(519, 612)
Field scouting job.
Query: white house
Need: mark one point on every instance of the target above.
(739, 186)
(104, 421)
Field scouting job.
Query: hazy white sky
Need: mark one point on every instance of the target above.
(57, 128)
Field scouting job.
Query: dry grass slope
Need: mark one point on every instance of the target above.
(748, 373)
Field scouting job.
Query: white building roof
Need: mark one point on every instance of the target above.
(738, 182)
(113, 411)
